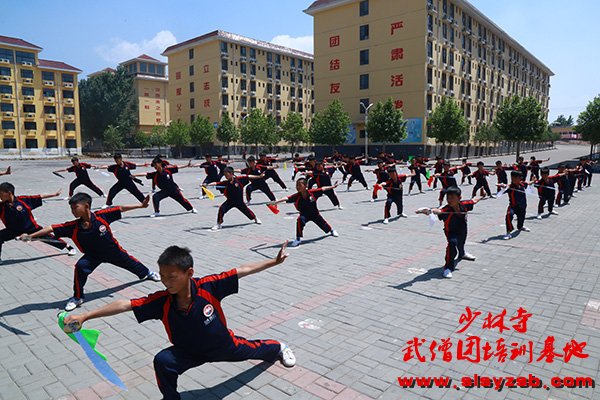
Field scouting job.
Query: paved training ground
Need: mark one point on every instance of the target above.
(347, 306)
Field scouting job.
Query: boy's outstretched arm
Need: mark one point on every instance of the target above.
(143, 204)
(49, 195)
(116, 307)
(252, 268)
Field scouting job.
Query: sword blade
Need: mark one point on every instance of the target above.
(101, 365)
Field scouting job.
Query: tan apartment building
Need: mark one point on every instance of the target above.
(151, 89)
(417, 52)
(222, 72)
(39, 103)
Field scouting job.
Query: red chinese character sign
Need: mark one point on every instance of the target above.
(334, 88)
(334, 41)
(397, 54)
(206, 68)
(206, 85)
(177, 75)
(397, 80)
(395, 26)
(178, 91)
(207, 103)
(334, 65)
(398, 104)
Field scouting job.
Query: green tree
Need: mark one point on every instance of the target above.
(113, 138)
(562, 121)
(272, 134)
(293, 130)
(227, 132)
(108, 99)
(202, 132)
(178, 135)
(158, 136)
(142, 140)
(386, 123)
(550, 136)
(254, 128)
(588, 123)
(330, 126)
(520, 119)
(448, 124)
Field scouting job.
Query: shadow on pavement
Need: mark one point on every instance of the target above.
(434, 273)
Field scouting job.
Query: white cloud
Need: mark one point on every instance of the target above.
(303, 43)
(120, 50)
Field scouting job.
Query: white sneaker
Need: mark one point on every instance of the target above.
(216, 227)
(493, 196)
(201, 197)
(340, 208)
(468, 257)
(66, 198)
(403, 215)
(372, 200)
(553, 212)
(334, 233)
(447, 273)
(102, 196)
(295, 243)
(154, 215)
(71, 251)
(508, 236)
(386, 221)
(525, 229)
(286, 189)
(73, 303)
(194, 211)
(287, 357)
(573, 196)
(258, 221)
(104, 207)
(367, 188)
(539, 216)
(153, 276)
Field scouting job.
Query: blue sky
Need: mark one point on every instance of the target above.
(92, 35)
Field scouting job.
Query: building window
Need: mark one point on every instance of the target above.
(269, 72)
(7, 107)
(300, 108)
(430, 49)
(253, 86)
(364, 32)
(7, 55)
(243, 84)
(364, 81)
(300, 78)
(292, 62)
(253, 69)
(28, 108)
(192, 87)
(244, 101)
(243, 51)
(191, 70)
(9, 143)
(429, 102)
(362, 134)
(223, 47)
(50, 126)
(270, 105)
(152, 69)
(30, 125)
(269, 57)
(71, 143)
(269, 88)
(6, 125)
(253, 53)
(292, 76)
(5, 89)
(364, 103)
(4, 71)
(27, 73)
(143, 67)
(27, 91)
(192, 103)
(293, 107)
(253, 102)
(277, 59)
(363, 8)
(364, 57)
(243, 68)
(224, 82)
(68, 94)
(25, 57)
(430, 23)
(69, 127)
(192, 118)
(429, 76)
(49, 110)
(47, 76)
(225, 100)
(278, 74)
(52, 143)
(224, 65)
(191, 54)
(69, 110)
(67, 78)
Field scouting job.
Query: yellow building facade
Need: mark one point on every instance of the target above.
(417, 52)
(39, 103)
(222, 72)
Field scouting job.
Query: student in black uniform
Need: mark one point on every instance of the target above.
(355, 173)
(480, 175)
(163, 178)
(447, 179)
(266, 164)
(221, 164)
(416, 168)
(394, 193)
(233, 190)
(305, 201)
(212, 172)
(190, 309)
(517, 204)
(382, 176)
(546, 191)
(92, 234)
(256, 184)
(454, 216)
(17, 217)
(122, 171)
(321, 178)
(500, 171)
(438, 168)
(465, 168)
(81, 177)
(534, 166)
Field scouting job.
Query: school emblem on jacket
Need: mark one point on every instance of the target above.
(208, 310)
(19, 208)
(102, 229)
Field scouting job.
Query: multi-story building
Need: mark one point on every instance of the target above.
(39, 102)
(222, 72)
(151, 88)
(417, 52)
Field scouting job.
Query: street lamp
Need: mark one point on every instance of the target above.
(366, 108)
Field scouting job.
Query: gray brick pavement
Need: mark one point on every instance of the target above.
(368, 291)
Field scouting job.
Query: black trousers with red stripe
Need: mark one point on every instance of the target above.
(481, 185)
(120, 185)
(271, 173)
(228, 205)
(88, 263)
(174, 361)
(360, 178)
(9, 234)
(415, 180)
(455, 250)
(397, 200)
(263, 187)
(510, 213)
(85, 182)
(332, 196)
(177, 196)
(317, 219)
(546, 199)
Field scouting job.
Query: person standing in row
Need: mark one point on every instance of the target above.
(81, 177)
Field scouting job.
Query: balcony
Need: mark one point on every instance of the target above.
(27, 81)
(69, 117)
(48, 83)
(224, 89)
(431, 9)
(252, 60)
(5, 78)
(4, 61)
(28, 99)
(430, 88)
(224, 54)
(7, 115)
(7, 96)
(69, 101)
(27, 63)
(224, 107)
(49, 100)
(29, 116)
(68, 85)
(50, 117)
